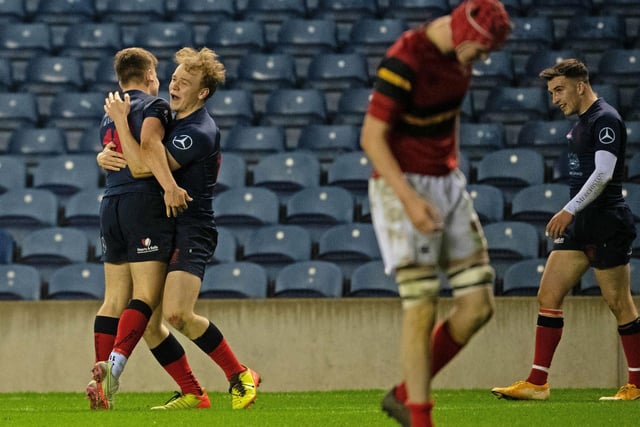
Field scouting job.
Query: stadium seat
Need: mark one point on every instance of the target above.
(293, 109)
(631, 193)
(305, 38)
(488, 202)
(163, 38)
(370, 280)
(620, 67)
(272, 13)
(27, 209)
(90, 42)
(561, 12)
(82, 211)
(263, 73)
(511, 169)
(560, 168)
(633, 168)
(523, 277)
(36, 144)
(21, 41)
(320, 208)
(309, 279)
(541, 59)
(234, 280)
(468, 109)
(349, 246)
(351, 171)
(6, 76)
(589, 286)
(513, 106)
(61, 14)
(352, 106)
(478, 139)
(12, 11)
(537, 203)
(231, 107)
(13, 173)
(131, 12)
(17, 111)
(7, 247)
(372, 37)
(275, 246)
(611, 93)
(242, 210)
(333, 73)
(67, 174)
(105, 79)
(74, 112)
(593, 35)
(417, 11)
(226, 248)
(529, 34)
(548, 137)
(205, 12)
(496, 70)
(78, 281)
(46, 76)
(253, 143)
(328, 141)
(510, 241)
(19, 282)
(232, 173)
(287, 173)
(49, 248)
(88, 143)
(345, 13)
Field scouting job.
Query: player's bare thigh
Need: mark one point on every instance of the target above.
(117, 289)
(615, 285)
(562, 272)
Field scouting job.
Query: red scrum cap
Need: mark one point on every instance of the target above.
(483, 21)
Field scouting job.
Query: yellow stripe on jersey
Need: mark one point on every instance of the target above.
(394, 79)
(431, 120)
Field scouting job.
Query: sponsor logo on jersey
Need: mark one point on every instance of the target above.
(182, 142)
(147, 247)
(606, 135)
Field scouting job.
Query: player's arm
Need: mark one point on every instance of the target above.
(424, 216)
(110, 159)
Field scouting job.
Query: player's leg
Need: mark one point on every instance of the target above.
(562, 271)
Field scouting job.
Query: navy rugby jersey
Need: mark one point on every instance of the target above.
(598, 128)
(195, 144)
(142, 106)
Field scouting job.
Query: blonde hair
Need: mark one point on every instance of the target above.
(205, 61)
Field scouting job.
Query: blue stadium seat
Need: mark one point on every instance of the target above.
(82, 211)
(287, 173)
(309, 279)
(13, 173)
(512, 240)
(467, 109)
(205, 12)
(253, 143)
(523, 277)
(560, 168)
(6, 76)
(89, 142)
(611, 93)
(231, 107)
(275, 246)
(633, 168)
(541, 59)
(164, 38)
(320, 208)
(21, 41)
(272, 13)
(417, 11)
(305, 38)
(61, 14)
(620, 67)
(511, 169)
(17, 111)
(234, 280)
(19, 282)
(77, 281)
(631, 192)
(478, 139)
(345, 13)
(530, 34)
(351, 171)
(328, 141)
(67, 174)
(27, 209)
(349, 246)
(333, 73)
(104, 78)
(589, 286)
(537, 203)
(370, 280)
(488, 202)
(372, 37)
(352, 106)
(232, 173)
(548, 137)
(226, 248)
(7, 247)
(293, 109)
(593, 35)
(561, 12)
(46, 76)
(496, 70)
(13, 11)
(134, 12)
(74, 112)
(243, 210)
(36, 144)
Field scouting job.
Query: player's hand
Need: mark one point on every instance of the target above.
(110, 159)
(175, 201)
(116, 108)
(556, 225)
(424, 215)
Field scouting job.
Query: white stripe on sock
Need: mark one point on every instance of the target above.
(540, 368)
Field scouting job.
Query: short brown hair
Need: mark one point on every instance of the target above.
(206, 61)
(571, 68)
(132, 63)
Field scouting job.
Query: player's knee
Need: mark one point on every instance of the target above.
(417, 285)
(475, 286)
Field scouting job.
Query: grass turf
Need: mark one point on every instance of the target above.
(566, 408)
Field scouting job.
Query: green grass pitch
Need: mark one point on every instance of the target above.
(460, 408)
